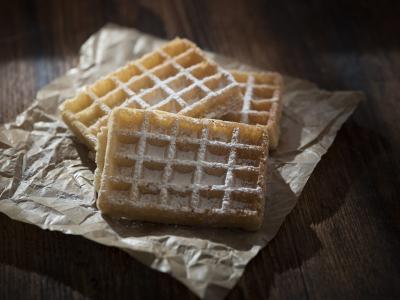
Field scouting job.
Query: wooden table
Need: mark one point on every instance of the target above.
(342, 239)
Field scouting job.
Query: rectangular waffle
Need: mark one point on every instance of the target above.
(261, 102)
(168, 168)
(176, 77)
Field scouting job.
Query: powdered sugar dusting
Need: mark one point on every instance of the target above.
(196, 182)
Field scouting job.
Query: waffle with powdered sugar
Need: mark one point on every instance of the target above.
(163, 167)
(176, 77)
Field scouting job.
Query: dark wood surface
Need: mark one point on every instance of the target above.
(341, 241)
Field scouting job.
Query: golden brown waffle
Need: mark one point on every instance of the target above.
(177, 78)
(167, 168)
(261, 103)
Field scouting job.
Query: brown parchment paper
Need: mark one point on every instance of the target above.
(46, 177)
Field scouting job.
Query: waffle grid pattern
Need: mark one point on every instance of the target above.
(262, 101)
(176, 78)
(211, 167)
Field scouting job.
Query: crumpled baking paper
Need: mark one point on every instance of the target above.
(46, 177)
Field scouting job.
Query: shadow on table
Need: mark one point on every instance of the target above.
(296, 241)
(80, 268)
(49, 29)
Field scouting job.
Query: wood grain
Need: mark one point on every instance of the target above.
(342, 239)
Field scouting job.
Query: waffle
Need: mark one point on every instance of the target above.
(176, 77)
(168, 168)
(262, 102)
